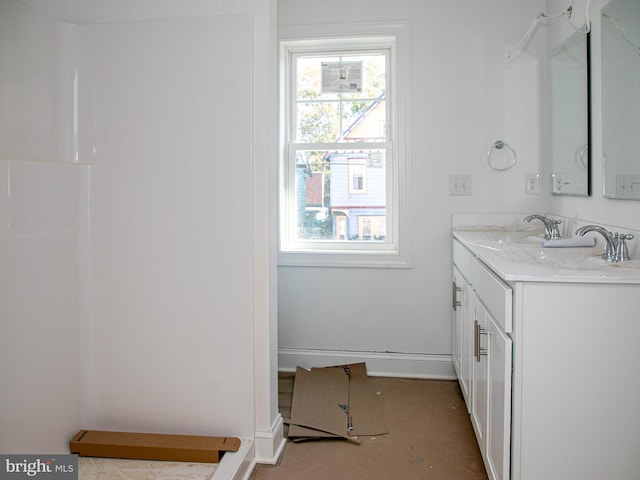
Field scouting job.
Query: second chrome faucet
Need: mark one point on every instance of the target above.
(551, 231)
(615, 249)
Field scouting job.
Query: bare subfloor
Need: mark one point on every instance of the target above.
(431, 438)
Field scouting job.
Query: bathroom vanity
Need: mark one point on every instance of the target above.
(547, 352)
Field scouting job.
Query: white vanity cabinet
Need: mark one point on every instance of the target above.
(576, 381)
(482, 356)
(555, 391)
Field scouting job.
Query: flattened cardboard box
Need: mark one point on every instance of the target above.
(335, 402)
(319, 404)
(152, 446)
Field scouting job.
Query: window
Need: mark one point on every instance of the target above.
(371, 227)
(357, 175)
(342, 153)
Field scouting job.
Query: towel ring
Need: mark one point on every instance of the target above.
(499, 145)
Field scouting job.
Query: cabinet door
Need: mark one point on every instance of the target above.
(458, 316)
(480, 374)
(498, 441)
(462, 334)
(467, 340)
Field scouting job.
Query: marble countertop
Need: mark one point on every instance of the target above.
(518, 255)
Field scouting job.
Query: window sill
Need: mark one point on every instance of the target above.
(343, 260)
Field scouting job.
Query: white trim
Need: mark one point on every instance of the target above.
(311, 32)
(361, 259)
(270, 444)
(269, 430)
(237, 465)
(393, 35)
(381, 364)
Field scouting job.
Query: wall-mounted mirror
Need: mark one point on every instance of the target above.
(621, 98)
(569, 137)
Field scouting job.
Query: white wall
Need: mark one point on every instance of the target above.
(465, 95)
(167, 121)
(99, 11)
(596, 209)
(37, 54)
(43, 235)
(162, 242)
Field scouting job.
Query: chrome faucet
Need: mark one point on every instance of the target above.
(622, 253)
(551, 231)
(615, 249)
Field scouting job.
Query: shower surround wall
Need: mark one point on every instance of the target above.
(130, 252)
(43, 236)
(168, 133)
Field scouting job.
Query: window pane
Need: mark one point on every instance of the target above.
(336, 97)
(318, 122)
(364, 121)
(373, 72)
(308, 79)
(341, 195)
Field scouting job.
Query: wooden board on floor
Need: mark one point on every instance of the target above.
(152, 446)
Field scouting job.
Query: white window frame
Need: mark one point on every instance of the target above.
(396, 252)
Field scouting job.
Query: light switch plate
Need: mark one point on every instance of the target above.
(459, 184)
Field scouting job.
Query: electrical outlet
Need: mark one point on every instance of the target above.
(459, 184)
(531, 183)
(628, 186)
(560, 183)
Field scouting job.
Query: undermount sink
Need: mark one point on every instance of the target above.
(519, 255)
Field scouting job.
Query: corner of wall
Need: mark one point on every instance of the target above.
(269, 444)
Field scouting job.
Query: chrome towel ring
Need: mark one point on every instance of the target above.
(499, 145)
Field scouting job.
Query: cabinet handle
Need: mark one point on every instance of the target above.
(456, 303)
(475, 339)
(478, 351)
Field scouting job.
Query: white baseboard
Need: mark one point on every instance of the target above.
(237, 465)
(266, 448)
(270, 444)
(378, 364)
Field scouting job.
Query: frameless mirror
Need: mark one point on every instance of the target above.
(621, 99)
(569, 151)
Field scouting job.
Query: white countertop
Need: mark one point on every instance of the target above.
(518, 255)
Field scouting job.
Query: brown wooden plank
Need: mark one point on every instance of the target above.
(152, 446)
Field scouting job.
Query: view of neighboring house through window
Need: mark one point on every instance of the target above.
(338, 172)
